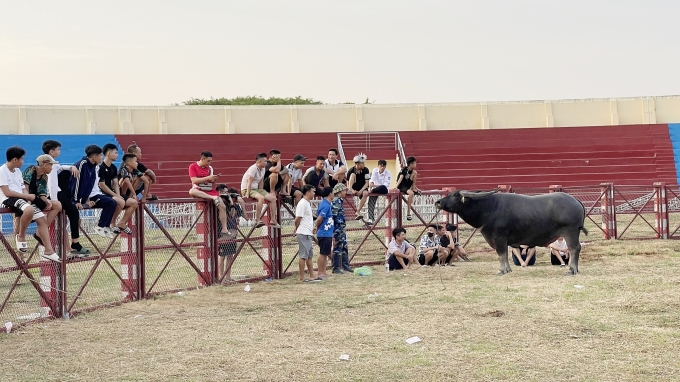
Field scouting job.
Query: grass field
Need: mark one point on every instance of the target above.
(618, 320)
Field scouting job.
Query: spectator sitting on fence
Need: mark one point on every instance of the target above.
(316, 176)
(340, 250)
(429, 247)
(58, 187)
(358, 181)
(379, 184)
(324, 230)
(406, 184)
(304, 230)
(203, 180)
(85, 191)
(400, 253)
(227, 250)
(146, 176)
(109, 186)
(524, 256)
(448, 240)
(273, 177)
(36, 182)
(293, 174)
(15, 196)
(559, 252)
(252, 187)
(335, 169)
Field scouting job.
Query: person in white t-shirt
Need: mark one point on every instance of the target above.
(305, 230)
(252, 187)
(379, 184)
(559, 252)
(400, 253)
(335, 169)
(292, 174)
(15, 196)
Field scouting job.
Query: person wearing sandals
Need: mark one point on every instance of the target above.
(304, 230)
(406, 184)
(108, 184)
(15, 196)
(358, 180)
(252, 185)
(230, 198)
(203, 180)
(58, 187)
(324, 230)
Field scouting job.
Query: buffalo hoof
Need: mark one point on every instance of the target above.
(502, 272)
(570, 273)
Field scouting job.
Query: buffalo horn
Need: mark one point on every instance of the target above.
(477, 195)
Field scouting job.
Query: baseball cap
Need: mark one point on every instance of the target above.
(299, 157)
(46, 158)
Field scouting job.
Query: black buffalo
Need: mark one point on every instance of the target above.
(512, 219)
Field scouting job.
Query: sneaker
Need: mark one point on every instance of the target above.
(275, 225)
(337, 271)
(368, 222)
(101, 231)
(115, 230)
(349, 269)
(53, 257)
(109, 233)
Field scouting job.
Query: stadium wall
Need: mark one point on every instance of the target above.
(27, 120)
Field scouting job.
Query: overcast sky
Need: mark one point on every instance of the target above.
(161, 52)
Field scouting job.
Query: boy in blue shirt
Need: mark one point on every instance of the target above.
(324, 230)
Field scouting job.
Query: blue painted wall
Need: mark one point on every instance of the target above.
(674, 132)
(72, 149)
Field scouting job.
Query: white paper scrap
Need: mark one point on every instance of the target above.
(579, 286)
(412, 340)
(247, 288)
(344, 357)
(8, 327)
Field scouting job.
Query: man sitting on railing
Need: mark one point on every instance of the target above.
(203, 180)
(147, 177)
(406, 183)
(252, 185)
(358, 181)
(108, 184)
(293, 172)
(335, 169)
(273, 176)
(379, 184)
(36, 181)
(15, 196)
(316, 176)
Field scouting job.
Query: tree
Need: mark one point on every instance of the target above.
(253, 100)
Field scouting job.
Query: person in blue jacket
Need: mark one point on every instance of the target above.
(86, 193)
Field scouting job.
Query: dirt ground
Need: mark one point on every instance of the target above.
(618, 320)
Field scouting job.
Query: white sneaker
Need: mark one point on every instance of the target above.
(109, 233)
(101, 231)
(53, 257)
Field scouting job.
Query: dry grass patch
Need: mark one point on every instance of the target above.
(532, 324)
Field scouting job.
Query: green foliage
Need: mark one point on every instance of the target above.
(253, 100)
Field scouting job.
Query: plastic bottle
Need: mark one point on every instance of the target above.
(387, 266)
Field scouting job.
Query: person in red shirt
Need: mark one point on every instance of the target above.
(203, 180)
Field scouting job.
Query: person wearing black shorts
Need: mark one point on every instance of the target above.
(429, 246)
(358, 180)
(324, 230)
(406, 183)
(273, 181)
(524, 256)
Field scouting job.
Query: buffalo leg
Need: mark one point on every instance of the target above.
(502, 251)
(574, 245)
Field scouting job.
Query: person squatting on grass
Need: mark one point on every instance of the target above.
(400, 253)
(304, 230)
(58, 187)
(324, 230)
(28, 207)
(340, 250)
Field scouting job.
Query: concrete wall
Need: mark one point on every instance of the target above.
(334, 118)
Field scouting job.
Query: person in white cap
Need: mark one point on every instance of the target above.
(15, 196)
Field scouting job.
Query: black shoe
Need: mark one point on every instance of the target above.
(349, 269)
(337, 271)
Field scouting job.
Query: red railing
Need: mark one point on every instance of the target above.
(176, 245)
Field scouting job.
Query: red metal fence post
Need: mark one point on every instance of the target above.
(608, 211)
(203, 249)
(661, 210)
(128, 262)
(267, 241)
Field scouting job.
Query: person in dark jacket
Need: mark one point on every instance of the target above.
(85, 190)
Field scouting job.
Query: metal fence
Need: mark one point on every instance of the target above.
(177, 245)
